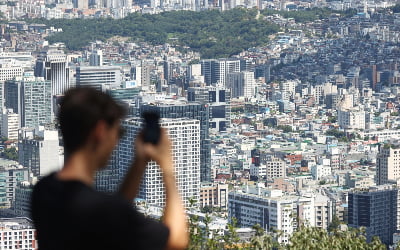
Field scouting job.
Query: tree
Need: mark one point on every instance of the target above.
(10, 153)
(317, 238)
(212, 33)
(334, 225)
(332, 119)
(285, 128)
(304, 237)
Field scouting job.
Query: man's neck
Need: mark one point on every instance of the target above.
(79, 166)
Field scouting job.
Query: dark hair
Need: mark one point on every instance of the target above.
(80, 110)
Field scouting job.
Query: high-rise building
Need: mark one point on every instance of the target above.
(136, 75)
(215, 71)
(10, 125)
(39, 151)
(241, 84)
(12, 95)
(388, 164)
(22, 199)
(96, 58)
(185, 136)
(11, 173)
(376, 210)
(189, 110)
(98, 77)
(218, 99)
(53, 66)
(194, 73)
(36, 102)
(145, 74)
(31, 98)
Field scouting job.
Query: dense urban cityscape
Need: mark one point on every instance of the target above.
(283, 114)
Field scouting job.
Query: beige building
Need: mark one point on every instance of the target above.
(388, 164)
(214, 195)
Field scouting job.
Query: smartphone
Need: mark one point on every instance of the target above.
(151, 127)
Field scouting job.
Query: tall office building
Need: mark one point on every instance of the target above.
(99, 77)
(39, 151)
(136, 75)
(12, 95)
(96, 58)
(145, 74)
(218, 99)
(11, 173)
(53, 66)
(36, 102)
(388, 164)
(185, 136)
(170, 68)
(189, 110)
(22, 199)
(241, 84)
(215, 71)
(30, 97)
(376, 210)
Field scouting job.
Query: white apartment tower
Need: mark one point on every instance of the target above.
(10, 125)
(388, 164)
(185, 135)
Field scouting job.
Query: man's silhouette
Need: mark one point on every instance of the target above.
(69, 214)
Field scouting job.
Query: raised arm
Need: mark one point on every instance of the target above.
(130, 186)
(174, 213)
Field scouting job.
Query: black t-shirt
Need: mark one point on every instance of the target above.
(71, 215)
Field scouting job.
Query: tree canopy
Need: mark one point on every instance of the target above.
(212, 33)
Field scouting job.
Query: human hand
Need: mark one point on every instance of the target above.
(160, 152)
(140, 153)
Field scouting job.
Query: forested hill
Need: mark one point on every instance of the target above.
(212, 33)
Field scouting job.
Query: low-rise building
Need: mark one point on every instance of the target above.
(17, 233)
(214, 195)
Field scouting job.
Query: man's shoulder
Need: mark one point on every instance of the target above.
(73, 194)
